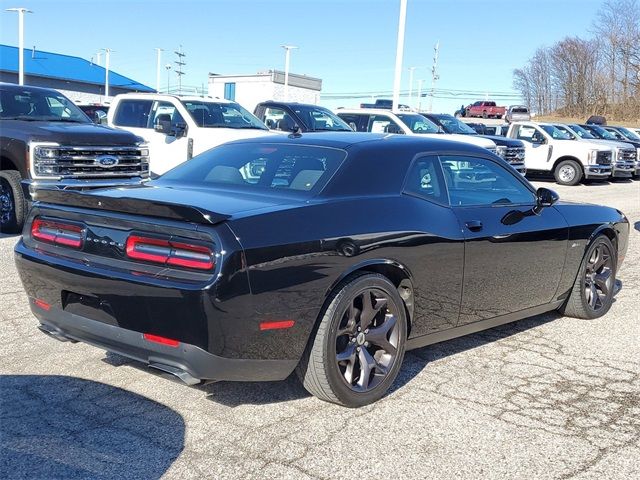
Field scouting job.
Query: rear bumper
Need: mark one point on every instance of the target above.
(597, 171)
(197, 363)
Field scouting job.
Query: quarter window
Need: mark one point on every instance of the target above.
(425, 180)
(481, 182)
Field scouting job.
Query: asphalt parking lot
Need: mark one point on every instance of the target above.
(546, 397)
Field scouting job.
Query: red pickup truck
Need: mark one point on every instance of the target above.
(484, 110)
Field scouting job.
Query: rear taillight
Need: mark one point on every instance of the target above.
(170, 252)
(57, 233)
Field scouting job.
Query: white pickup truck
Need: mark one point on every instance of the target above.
(379, 120)
(177, 128)
(548, 150)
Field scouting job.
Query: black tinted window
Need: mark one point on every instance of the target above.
(425, 180)
(133, 113)
(481, 182)
(260, 167)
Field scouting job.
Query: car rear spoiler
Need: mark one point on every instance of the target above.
(136, 206)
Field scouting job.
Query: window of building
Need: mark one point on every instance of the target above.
(230, 91)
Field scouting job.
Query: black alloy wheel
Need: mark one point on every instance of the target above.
(599, 277)
(367, 340)
(594, 287)
(359, 344)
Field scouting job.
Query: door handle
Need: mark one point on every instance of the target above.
(474, 225)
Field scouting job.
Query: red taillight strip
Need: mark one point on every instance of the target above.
(276, 325)
(57, 233)
(169, 252)
(162, 340)
(42, 304)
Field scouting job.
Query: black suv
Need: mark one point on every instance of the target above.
(302, 117)
(47, 141)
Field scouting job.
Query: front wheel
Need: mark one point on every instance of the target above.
(568, 172)
(358, 348)
(593, 289)
(13, 206)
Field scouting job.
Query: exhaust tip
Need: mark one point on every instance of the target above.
(176, 372)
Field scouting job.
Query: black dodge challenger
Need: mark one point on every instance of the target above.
(327, 254)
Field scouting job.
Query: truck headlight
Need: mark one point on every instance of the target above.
(593, 155)
(44, 159)
(501, 151)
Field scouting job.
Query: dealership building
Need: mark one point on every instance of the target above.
(81, 80)
(249, 90)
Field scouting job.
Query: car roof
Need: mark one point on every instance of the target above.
(291, 104)
(345, 140)
(376, 111)
(187, 98)
(18, 88)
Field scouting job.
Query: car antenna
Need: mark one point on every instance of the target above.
(297, 133)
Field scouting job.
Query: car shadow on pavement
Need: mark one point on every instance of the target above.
(64, 427)
(8, 235)
(416, 360)
(637, 226)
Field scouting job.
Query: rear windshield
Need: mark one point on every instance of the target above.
(519, 110)
(300, 170)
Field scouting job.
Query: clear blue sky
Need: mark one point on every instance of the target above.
(350, 44)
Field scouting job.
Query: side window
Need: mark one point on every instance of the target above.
(425, 180)
(133, 113)
(165, 111)
(529, 134)
(272, 117)
(383, 124)
(481, 182)
(354, 121)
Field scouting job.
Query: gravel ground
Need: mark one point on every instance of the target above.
(546, 397)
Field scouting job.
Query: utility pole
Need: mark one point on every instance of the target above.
(411, 69)
(287, 58)
(168, 67)
(159, 50)
(21, 11)
(420, 82)
(399, 52)
(434, 74)
(107, 57)
(179, 64)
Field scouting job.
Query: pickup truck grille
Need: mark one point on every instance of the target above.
(603, 158)
(514, 155)
(93, 162)
(629, 155)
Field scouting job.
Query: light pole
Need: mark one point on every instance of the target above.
(21, 11)
(411, 69)
(107, 57)
(420, 82)
(168, 67)
(399, 52)
(159, 50)
(287, 56)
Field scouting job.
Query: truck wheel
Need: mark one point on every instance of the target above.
(568, 172)
(13, 206)
(485, 115)
(358, 348)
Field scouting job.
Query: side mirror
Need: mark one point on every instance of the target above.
(440, 129)
(100, 117)
(179, 130)
(162, 126)
(546, 197)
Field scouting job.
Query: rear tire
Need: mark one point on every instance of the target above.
(568, 172)
(592, 292)
(359, 345)
(13, 206)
